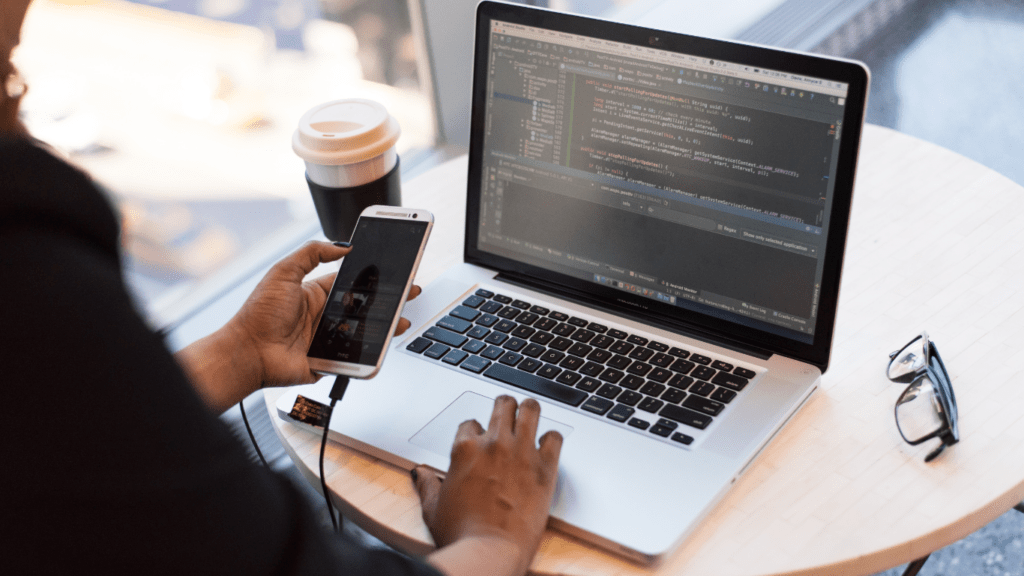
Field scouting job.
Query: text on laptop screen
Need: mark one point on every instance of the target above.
(695, 182)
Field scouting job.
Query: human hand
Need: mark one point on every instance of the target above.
(278, 319)
(499, 485)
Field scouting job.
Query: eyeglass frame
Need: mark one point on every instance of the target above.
(943, 385)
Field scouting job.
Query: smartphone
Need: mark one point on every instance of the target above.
(365, 303)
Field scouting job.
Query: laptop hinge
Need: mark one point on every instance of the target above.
(581, 297)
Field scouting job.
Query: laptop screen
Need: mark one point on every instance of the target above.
(699, 184)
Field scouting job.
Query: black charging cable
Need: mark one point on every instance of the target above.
(337, 393)
(252, 437)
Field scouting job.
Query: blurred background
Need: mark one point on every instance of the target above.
(183, 111)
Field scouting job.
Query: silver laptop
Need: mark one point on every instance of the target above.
(654, 237)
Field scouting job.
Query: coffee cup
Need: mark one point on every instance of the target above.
(351, 162)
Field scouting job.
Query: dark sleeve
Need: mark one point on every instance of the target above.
(110, 461)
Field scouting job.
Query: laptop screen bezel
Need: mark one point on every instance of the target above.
(680, 319)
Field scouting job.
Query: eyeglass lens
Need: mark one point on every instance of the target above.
(909, 360)
(918, 411)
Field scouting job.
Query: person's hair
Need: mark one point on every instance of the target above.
(9, 122)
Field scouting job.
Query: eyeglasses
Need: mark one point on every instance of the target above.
(927, 408)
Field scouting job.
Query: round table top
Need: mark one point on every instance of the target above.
(931, 247)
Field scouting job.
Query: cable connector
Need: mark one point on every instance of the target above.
(340, 385)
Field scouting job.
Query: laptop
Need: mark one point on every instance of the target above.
(655, 229)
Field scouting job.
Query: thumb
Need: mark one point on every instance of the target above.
(428, 485)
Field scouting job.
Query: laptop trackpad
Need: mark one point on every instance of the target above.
(438, 435)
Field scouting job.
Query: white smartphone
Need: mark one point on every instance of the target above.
(365, 303)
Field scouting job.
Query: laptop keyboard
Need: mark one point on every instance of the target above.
(637, 382)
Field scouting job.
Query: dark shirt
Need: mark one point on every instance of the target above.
(110, 462)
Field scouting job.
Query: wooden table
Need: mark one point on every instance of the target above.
(933, 246)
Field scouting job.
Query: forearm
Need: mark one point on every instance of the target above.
(222, 368)
(480, 556)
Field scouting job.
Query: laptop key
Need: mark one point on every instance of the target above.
(588, 384)
(653, 389)
(619, 362)
(597, 405)
(552, 356)
(621, 347)
(454, 324)
(638, 423)
(549, 371)
(478, 332)
(641, 354)
(530, 365)
(723, 366)
(686, 416)
(475, 364)
(492, 353)
(527, 318)
(539, 310)
(649, 404)
(657, 346)
(682, 366)
(592, 369)
(563, 330)
(484, 293)
(491, 307)
(630, 398)
(464, 312)
(523, 331)
(474, 301)
(542, 337)
(639, 368)
(722, 395)
(509, 313)
(682, 438)
(620, 413)
(609, 391)
(579, 349)
(474, 346)
(660, 430)
(487, 320)
(632, 382)
(445, 336)
(600, 356)
(617, 334)
(602, 341)
(514, 344)
(505, 326)
(703, 373)
(659, 375)
(496, 338)
(578, 322)
(560, 316)
(701, 388)
(730, 381)
(560, 344)
(703, 405)
(568, 378)
(545, 324)
(611, 375)
(533, 350)
(572, 362)
(502, 298)
(595, 327)
(744, 373)
(454, 357)
(673, 396)
(510, 358)
(638, 340)
(699, 359)
(437, 350)
(522, 305)
(680, 381)
(536, 384)
(678, 352)
(419, 345)
(662, 360)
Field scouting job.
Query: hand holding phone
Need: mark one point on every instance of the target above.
(365, 303)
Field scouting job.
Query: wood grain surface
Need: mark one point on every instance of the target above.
(934, 245)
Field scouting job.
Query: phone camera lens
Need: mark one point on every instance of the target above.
(415, 215)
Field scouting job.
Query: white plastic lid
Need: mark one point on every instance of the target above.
(345, 132)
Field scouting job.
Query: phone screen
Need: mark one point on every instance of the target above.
(368, 290)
